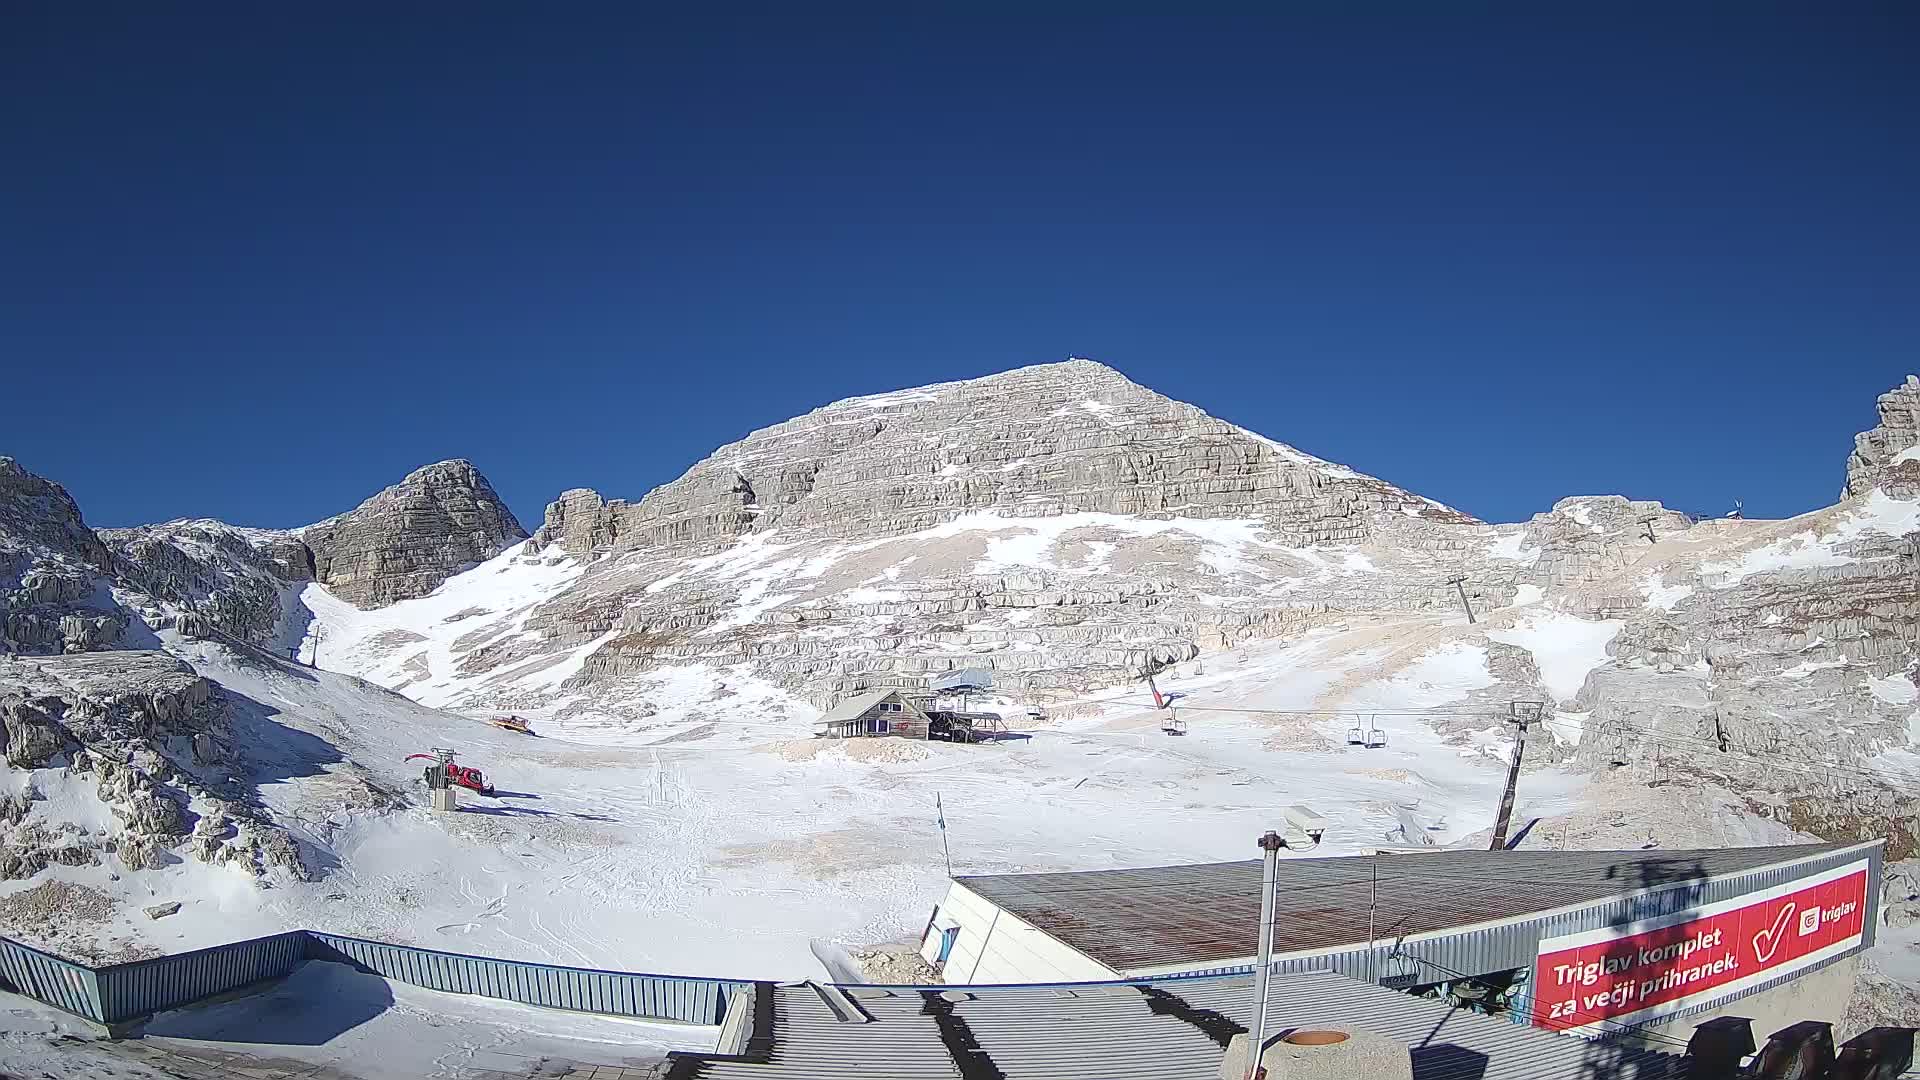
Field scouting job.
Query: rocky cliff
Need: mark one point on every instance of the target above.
(1888, 455)
(1073, 437)
(53, 570)
(207, 577)
(887, 537)
(403, 542)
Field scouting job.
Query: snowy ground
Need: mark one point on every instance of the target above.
(730, 853)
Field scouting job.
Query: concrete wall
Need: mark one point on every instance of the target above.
(1818, 995)
(995, 947)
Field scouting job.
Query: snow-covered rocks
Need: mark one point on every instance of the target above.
(207, 577)
(93, 740)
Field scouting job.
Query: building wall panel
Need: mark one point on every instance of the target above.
(655, 997)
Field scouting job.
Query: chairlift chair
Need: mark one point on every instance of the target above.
(1356, 736)
(1375, 738)
(1172, 724)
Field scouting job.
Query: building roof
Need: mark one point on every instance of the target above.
(963, 679)
(1172, 1029)
(852, 708)
(1134, 921)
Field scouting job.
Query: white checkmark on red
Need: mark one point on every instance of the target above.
(1771, 938)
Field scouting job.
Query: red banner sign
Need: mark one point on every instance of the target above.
(1639, 972)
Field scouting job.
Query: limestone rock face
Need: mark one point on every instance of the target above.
(1040, 441)
(868, 530)
(405, 541)
(35, 511)
(52, 570)
(1885, 456)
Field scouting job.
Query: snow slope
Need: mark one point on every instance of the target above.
(731, 852)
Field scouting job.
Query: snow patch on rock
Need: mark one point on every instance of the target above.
(1565, 648)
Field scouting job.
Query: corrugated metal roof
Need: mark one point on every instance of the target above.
(1174, 1029)
(966, 678)
(852, 707)
(1155, 917)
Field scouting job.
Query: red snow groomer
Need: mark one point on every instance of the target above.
(461, 775)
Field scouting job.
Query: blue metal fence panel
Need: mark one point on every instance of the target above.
(619, 993)
(44, 977)
(165, 982)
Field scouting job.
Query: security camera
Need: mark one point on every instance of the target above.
(1301, 816)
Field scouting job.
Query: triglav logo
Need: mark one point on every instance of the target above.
(1809, 922)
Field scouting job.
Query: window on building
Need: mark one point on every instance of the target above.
(889, 706)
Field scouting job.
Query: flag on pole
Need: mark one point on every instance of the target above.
(1158, 701)
(939, 812)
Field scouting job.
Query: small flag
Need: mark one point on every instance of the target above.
(1158, 701)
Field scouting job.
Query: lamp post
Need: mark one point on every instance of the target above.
(1270, 846)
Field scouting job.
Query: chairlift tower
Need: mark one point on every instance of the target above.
(1522, 715)
(440, 789)
(1460, 583)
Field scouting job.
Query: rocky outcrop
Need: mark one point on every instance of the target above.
(1590, 538)
(53, 595)
(580, 522)
(39, 512)
(1888, 455)
(405, 541)
(1039, 441)
(112, 719)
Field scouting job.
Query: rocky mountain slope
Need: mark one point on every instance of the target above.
(1071, 531)
(119, 753)
(1060, 526)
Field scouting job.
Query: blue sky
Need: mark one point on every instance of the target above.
(258, 262)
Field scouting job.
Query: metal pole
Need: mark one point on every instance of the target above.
(1373, 895)
(1270, 846)
(941, 813)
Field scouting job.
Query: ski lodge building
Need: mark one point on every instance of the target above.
(913, 712)
(877, 712)
(1584, 941)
